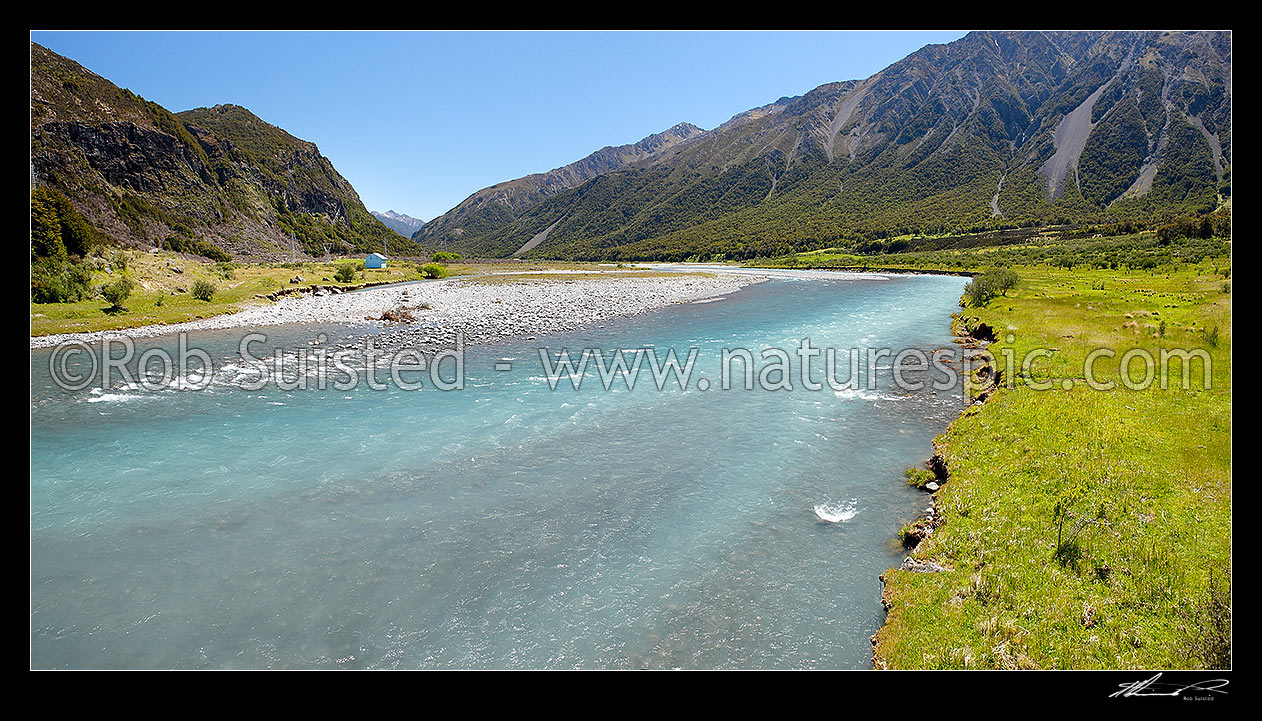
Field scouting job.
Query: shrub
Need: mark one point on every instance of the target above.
(204, 290)
(117, 292)
(444, 256)
(1073, 515)
(434, 270)
(345, 273)
(1206, 624)
(1210, 335)
(59, 281)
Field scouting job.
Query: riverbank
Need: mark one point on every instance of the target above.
(480, 310)
(1081, 528)
(163, 282)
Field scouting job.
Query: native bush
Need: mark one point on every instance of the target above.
(434, 270)
(117, 293)
(204, 290)
(345, 273)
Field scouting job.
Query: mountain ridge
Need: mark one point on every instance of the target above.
(993, 130)
(501, 202)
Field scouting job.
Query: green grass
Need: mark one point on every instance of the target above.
(1151, 467)
(157, 297)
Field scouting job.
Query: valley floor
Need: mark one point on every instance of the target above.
(480, 307)
(164, 282)
(1078, 528)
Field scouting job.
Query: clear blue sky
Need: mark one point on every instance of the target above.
(417, 121)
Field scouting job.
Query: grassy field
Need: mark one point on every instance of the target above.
(164, 282)
(1083, 528)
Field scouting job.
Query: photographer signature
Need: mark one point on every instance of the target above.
(1151, 687)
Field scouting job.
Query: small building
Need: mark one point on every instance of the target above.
(376, 260)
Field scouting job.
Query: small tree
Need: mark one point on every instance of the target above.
(58, 231)
(204, 290)
(1002, 280)
(978, 291)
(993, 282)
(345, 273)
(117, 292)
(45, 231)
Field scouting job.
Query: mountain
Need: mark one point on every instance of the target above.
(492, 208)
(997, 129)
(404, 225)
(212, 179)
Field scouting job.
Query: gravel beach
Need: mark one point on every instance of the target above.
(483, 310)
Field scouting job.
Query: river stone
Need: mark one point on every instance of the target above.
(911, 564)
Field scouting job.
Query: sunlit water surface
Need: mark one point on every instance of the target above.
(506, 525)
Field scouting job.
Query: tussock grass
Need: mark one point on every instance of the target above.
(157, 296)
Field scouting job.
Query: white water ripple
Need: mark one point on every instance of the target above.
(837, 512)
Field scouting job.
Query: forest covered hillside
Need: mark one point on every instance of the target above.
(995, 130)
(219, 182)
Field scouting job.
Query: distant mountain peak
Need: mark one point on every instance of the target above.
(400, 223)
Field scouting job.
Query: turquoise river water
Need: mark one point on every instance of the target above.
(505, 525)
